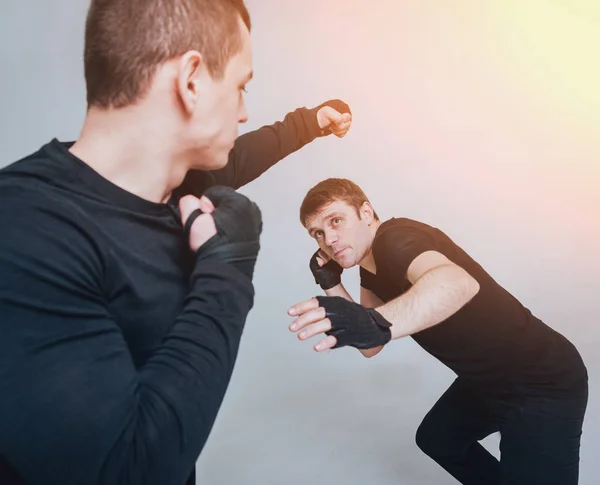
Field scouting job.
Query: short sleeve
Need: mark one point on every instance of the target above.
(396, 248)
(367, 280)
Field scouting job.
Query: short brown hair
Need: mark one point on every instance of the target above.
(126, 40)
(331, 190)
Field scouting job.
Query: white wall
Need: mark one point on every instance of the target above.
(480, 118)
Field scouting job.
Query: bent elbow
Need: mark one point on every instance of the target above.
(368, 353)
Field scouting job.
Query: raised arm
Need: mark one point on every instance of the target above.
(327, 274)
(368, 299)
(74, 409)
(257, 151)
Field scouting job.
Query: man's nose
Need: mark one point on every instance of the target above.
(330, 238)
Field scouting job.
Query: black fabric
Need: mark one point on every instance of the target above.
(328, 275)
(539, 436)
(190, 221)
(354, 325)
(237, 218)
(493, 340)
(118, 341)
(239, 223)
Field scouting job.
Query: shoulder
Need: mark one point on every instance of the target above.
(396, 233)
(45, 234)
(38, 165)
(399, 242)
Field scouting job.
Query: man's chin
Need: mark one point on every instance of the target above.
(345, 263)
(211, 161)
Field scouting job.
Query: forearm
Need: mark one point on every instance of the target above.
(188, 376)
(434, 297)
(204, 340)
(257, 151)
(339, 290)
(99, 419)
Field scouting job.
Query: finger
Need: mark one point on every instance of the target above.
(311, 316)
(187, 205)
(326, 343)
(313, 329)
(339, 133)
(334, 117)
(303, 307)
(345, 125)
(341, 127)
(206, 205)
(326, 116)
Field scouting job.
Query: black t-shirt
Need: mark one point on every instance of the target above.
(493, 340)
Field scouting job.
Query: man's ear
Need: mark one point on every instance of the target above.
(189, 72)
(367, 213)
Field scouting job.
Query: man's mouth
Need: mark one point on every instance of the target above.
(337, 253)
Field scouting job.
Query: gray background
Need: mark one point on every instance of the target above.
(481, 119)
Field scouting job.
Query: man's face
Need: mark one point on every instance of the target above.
(341, 233)
(221, 108)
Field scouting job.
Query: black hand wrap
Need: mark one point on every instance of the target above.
(328, 275)
(336, 104)
(239, 225)
(354, 325)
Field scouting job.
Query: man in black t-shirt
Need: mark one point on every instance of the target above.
(516, 375)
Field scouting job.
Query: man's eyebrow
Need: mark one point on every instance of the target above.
(312, 230)
(332, 216)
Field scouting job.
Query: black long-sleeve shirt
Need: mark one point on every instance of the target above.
(116, 348)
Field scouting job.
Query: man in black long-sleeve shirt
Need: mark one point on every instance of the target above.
(118, 339)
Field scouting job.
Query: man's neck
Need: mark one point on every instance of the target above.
(368, 262)
(133, 152)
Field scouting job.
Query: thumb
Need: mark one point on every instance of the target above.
(322, 258)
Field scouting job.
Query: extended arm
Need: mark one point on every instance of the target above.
(440, 288)
(328, 276)
(257, 151)
(368, 299)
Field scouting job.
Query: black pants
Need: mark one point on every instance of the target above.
(540, 435)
